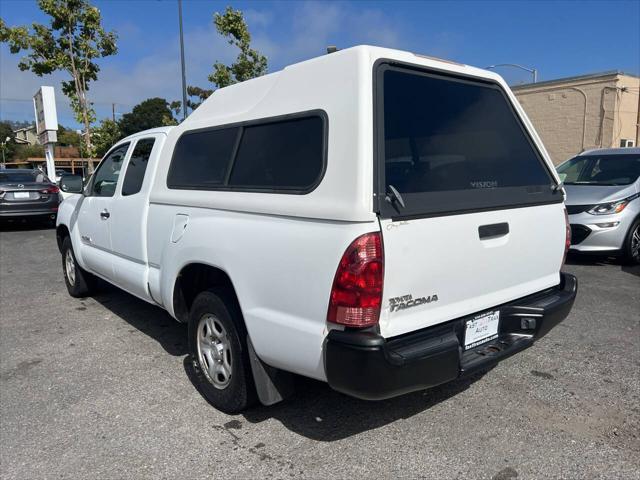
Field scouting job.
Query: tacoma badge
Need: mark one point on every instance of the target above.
(407, 301)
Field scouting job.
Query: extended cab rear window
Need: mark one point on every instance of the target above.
(279, 155)
(447, 144)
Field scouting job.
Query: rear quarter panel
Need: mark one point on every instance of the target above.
(282, 270)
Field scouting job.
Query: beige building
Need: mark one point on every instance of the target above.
(578, 113)
(26, 136)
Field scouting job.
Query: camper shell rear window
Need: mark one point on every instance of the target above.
(449, 144)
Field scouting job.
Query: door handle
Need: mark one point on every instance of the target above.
(104, 214)
(493, 230)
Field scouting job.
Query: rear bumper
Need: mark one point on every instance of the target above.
(14, 209)
(366, 365)
(29, 213)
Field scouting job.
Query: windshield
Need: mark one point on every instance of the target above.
(35, 176)
(621, 169)
(452, 144)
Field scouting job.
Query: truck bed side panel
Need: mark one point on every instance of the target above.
(282, 269)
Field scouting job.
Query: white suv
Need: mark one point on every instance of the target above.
(375, 219)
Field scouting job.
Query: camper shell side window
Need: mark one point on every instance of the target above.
(284, 154)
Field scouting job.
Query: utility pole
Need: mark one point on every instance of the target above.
(638, 125)
(184, 78)
(113, 112)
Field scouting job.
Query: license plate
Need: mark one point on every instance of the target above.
(481, 329)
(20, 194)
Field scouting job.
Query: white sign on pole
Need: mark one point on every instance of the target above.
(44, 105)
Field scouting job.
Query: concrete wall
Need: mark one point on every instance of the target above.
(557, 110)
(627, 110)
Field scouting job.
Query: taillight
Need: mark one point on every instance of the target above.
(51, 189)
(356, 294)
(567, 240)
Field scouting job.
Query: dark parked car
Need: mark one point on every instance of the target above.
(27, 193)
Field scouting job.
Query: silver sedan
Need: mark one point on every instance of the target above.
(603, 201)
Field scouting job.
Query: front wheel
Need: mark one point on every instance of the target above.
(218, 349)
(632, 244)
(79, 282)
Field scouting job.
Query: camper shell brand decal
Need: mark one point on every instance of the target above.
(485, 184)
(407, 301)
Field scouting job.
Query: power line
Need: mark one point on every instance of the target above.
(8, 99)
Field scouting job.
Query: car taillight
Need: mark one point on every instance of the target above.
(51, 189)
(567, 240)
(356, 295)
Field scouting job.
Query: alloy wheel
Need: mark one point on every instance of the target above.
(635, 243)
(70, 267)
(214, 351)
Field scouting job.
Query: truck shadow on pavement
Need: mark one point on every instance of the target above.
(25, 225)
(319, 413)
(148, 319)
(602, 260)
(314, 411)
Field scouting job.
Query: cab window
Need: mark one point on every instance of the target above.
(137, 167)
(106, 177)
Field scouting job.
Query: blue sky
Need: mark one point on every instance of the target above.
(560, 38)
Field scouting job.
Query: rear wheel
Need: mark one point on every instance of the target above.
(80, 283)
(632, 244)
(217, 344)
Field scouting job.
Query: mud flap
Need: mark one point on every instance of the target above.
(273, 385)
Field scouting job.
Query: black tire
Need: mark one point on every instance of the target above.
(83, 283)
(235, 392)
(630, 249)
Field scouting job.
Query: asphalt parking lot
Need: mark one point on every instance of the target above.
(97, 388)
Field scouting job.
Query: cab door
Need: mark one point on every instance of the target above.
(128, 219)
(94, 223)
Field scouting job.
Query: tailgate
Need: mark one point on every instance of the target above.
(438, 269)
(470, 212)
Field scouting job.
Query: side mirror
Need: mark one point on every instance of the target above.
(71, 184)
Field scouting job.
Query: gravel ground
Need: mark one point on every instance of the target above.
(96, 388)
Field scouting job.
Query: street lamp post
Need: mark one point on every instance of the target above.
(184, 79)
(532, 71)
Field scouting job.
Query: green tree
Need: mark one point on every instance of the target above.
(248, 64)
(176, 107)
(28, 151)
(68, 137)
(72, 42)
(8, 146)
(201, 94)
(105, 136)
(151, 113)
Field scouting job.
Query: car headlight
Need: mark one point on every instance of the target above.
(609, 208)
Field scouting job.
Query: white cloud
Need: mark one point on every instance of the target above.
(257, 19)
(312, 26)
(304, 30)
(155, 75)
(17, 89)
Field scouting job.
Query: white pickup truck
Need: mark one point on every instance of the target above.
(379, 220)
